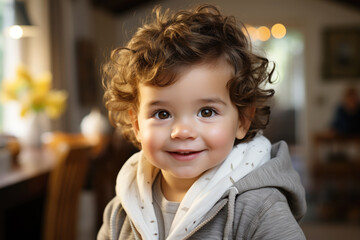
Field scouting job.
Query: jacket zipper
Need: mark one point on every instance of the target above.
(112, 222)
(205, 221)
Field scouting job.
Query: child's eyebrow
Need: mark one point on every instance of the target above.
(156, 103)
(213, 100)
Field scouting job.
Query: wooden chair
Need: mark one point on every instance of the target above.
(107, 166)
(65, 185)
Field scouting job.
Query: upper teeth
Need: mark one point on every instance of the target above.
(184, 153)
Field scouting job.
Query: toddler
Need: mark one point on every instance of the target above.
(188, 91)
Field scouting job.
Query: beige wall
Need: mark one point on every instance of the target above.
(38, 55)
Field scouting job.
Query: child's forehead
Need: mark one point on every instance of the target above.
(171, 75)
(200, 77)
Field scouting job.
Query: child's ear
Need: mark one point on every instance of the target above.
(245, 122)
(134, 123)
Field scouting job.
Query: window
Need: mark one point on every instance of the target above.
(10, 58)
(287, 113)
(2, 42)
(288, 54)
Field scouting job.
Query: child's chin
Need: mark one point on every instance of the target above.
(188, 176)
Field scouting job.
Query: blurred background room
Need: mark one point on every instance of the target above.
(59, 156)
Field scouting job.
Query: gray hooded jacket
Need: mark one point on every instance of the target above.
(265, 204)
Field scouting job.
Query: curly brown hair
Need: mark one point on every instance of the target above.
(188, 37)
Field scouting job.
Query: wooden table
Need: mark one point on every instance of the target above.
(22, 194)
(336, 176)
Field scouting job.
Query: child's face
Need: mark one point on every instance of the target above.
(190, 126)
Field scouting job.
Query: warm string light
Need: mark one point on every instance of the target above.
(263, 33)
(278, 31)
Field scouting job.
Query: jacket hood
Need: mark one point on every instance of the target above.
(278, 173)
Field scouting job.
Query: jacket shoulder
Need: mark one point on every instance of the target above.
(113, 213)
(265, 213)
(256, 198)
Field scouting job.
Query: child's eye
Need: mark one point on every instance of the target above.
(207, 112)
(162, 114)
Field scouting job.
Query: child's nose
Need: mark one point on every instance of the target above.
(183, 130)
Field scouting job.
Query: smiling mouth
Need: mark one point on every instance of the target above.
(185, 155)
(185, 152)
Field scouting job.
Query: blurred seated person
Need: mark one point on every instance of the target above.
(346, 120)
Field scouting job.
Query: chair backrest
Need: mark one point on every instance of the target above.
(65, 185)
(107, 167)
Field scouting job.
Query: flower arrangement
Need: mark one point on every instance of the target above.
(34, 94)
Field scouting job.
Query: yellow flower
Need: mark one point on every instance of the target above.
(23, 74)
(34, 94)
(8, 90)
(42, 85)
(25, 108)
(55, 103)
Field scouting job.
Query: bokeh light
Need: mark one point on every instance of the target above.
(278, 31)
(263, 33)
(253, 32)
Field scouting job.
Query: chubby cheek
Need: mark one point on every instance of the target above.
(151, 141)
(145, 137)
(221, 139)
